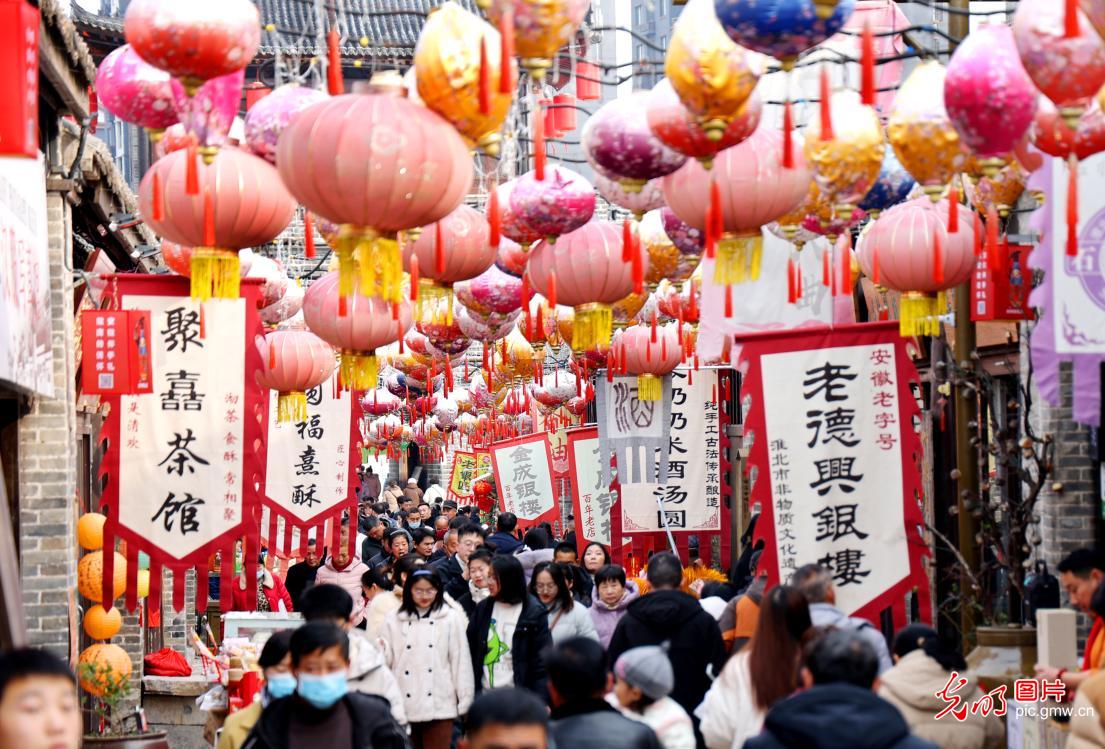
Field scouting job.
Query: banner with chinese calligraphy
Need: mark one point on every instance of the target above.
(836, 462)
(633, 431)
(691, 495)
(311, 474)
(592, 500)
(523, 477)
(115, 352)
(467, 466)
(184, 461)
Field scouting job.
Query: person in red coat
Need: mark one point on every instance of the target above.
(270, 591)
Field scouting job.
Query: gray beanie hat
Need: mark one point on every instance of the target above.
(648, 668)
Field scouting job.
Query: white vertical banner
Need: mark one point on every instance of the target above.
(1078, 283)
(592, 498)
(523, 477)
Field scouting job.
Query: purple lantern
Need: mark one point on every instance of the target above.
(135, 91)
(686, 238)
(647, 198)
(491, 291)
(619, 142)
(562, 202)
(512, 227)
(209, 114)
(990, 98)
(268, 117)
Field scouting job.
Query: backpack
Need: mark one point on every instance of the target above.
(1041, 592)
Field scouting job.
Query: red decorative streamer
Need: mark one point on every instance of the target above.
(1072, 206)
(494, 217)
(788, 137)
(506, 52)
(826, 105)
(867, 61)
(485, 79)
(334, 82)
(308, 235)
(191, 171)
(538, 142)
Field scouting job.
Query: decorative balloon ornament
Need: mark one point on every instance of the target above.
(297, 360)
(619, 143)
(135, 91)
(539, 28)
(845, 149)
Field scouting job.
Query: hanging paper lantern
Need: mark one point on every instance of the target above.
(711, 74)
(618, 141)
(556, 390)
(846, 165)
(627, 310)
(512, 227)
(651, 354)
(208, 113)
(379, 402)
(376, 164)
(102, 624)
(541, 28)
(370, 323)
(178, 258)
(681, 304)
(584, 269)
(783, 29)
(922, 133)
(241, 203)
(90, 531)
(175, 138)
(678, 129)
(512, 257)
(561, 203)
(909, 249)
(891, 187)
(752, 189)
(268, 118)
(102, 667)
(686, 238)
(274, 281)
(663, 256)
(989, 96)
(557, 325)
(516, 357)
(296, 360)
(1051, 135)
(135, 91)
(1067, 68)
(443, 339)
(999, 192)
(491, 291)
(639, 202)
(456, 248)
(196, 40)
(285, 307)
(483, 328)
(824, 222)
(90, 576)
(458, 66)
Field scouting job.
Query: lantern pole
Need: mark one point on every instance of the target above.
(965, 411)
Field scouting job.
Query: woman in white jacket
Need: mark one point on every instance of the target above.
(567, 618)
(427, 649)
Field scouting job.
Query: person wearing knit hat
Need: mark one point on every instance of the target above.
(643, 680)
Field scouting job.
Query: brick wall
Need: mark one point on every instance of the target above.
(48, 464)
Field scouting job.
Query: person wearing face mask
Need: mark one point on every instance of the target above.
(39, 708)
(276, 663)
(427, 650)
(323, 713)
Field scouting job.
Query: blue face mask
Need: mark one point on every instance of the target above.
(280, 685)
(323, 691)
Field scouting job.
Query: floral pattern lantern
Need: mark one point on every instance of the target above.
(209, 112)
(370, 323)
(686, 238)
(618, 141)
(512, 227)
(296, 360)
(847, 162)
(561, 203)
(891, 187)
(267, 119)
(512, 257)
(540, 28)
(665, 260)
(647, 198)
(135, 91)
(1000, 192)
(651, 354)
(678, 129)
(783, 29)
(491, 291)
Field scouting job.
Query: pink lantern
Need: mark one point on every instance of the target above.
(367, 326)
(648, 197)
(512, 227)
(178, 258)
(379, 402)
(209, 112)
(275, 281)
(512, 257)
(377, 164)
(268, 117)
(678, 129)
(491, 291)
(651, 354)
(618, 141)
(753, 189)
(284, 308)
(297, 360)
(584, 269)
(135, 91)
(482, 328)
(1067, 70)
(989, 96)
(561, 203)
(909, 249)
(456, 248)
(175, 138)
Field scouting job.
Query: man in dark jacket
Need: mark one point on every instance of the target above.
(373, 545)
(838, 709)
(667, 614)
(581, 717)
(322, 712)
(503, 538)
(454, 569)
(302, 575)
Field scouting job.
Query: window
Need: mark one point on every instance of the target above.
(664, 42)
(638, 15)
(640, 52)
(661, 8)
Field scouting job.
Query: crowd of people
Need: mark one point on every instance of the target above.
(445, 633)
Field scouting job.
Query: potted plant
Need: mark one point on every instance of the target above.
(108, 685)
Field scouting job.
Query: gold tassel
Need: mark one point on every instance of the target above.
(359, 370)
(291, 407)
(919, 313)
(347, 243)
(738, 260)
(215, 273)
(650, 387)
(435, 303)
(380, 265)
(593, 327)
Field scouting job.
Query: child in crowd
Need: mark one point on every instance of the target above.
(644, 679)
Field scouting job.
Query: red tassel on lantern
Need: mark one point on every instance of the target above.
(1071, 28)
(867, 61)
(953, 210)
(798, 290)
(792, 296)
(191, 172)
(715, 220)
(1072, 206)
(826, 105)
(208, 219)
(334, 82)
(485, 79)
(627, 240)
(506, 52)
(653, 327)
(692, 308)
(728, 301)
(876, 275)
(272, 355)
(439, 249)
(978, 235)
(394, 312)
(158, 208)
(552, 289)
(526, 305)
(539, 143)
(638, 267)
(937, 257)
(826, 267)
(494, 218)
(308, 235)
(415, 277)
(788, 137)
(845, 285)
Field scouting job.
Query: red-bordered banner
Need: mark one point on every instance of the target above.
(835, 462)
(184, 463)
(592, 502)
(523, 477)
(467, 467)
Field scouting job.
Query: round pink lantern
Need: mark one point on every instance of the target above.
(491, 291)
(647, 197)
(464, 250)
(268, 117)
(651, 354)
(135, 91)
(512, 257)
(379, 402)
(618, 141)
(296, 360)
(679, 130)
(512, 227)
(558, 204)
(367, 325)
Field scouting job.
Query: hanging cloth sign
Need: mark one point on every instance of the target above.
(592, 500)
(184, 461)
(523, 477)
(835, 461)
(115, 352)
(311, 475)
(632, 430)
(690, 497)
(467, 466)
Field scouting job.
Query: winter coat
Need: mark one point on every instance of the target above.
(348, 579)
(452, 575)
(300, 577)
(472, 598)
(835, 716)
(729, 715)
(576, 622)
(596, 725)
(383, 604)
(370, 548)
(531, 558)
(369, 673)
(827, 615)
(606, 618)
(243, 598)
(237, 726)
(373, 726)
(531, 637)
(695, 640)
(670, 722)
(911, 686)
(1087, 723)
(504, 542)
(430, 659)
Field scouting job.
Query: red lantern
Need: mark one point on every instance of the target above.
(564, 113)
(651, 354)
(376, 164)
(178, 258)
(241, 203)
(370, 323)
(195, 40)
(588, 86)
(296, 360)
(678, 129)
(1051, 135)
